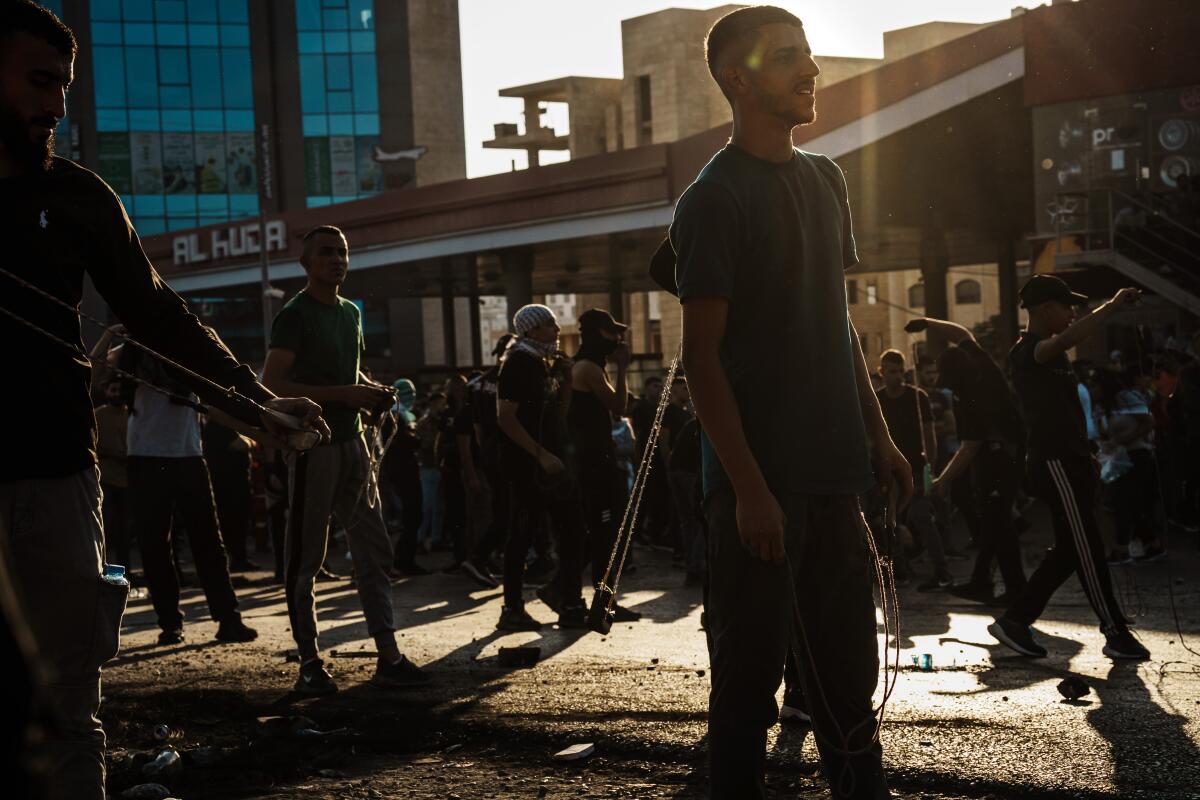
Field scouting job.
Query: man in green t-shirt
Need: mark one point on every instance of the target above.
(316, 343)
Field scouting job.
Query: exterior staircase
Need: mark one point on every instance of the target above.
(1140, 239)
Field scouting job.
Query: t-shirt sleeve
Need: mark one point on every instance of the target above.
(705, 236)
(287, 331)
(849, 247)
(517, 380)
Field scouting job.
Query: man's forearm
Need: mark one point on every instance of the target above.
(959, 462)
(719, 416)
(1084, 327)
(953, 332)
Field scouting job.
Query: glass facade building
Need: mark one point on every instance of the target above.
(339, 99)
(175, 109)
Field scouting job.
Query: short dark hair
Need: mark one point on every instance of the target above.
(26, 16)
(731, 30)
(320, 229)
(924, 360)
(892, 356)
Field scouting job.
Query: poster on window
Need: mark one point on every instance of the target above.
(114, 161)
(370, 174)
(179, 163)
(240, 164)
(341, 166)
(210, 163)
(316, 165)
(145, 154)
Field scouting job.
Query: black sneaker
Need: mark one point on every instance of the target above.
(171, 636)
(314, 679)
(974, 592)
(573, 616)
(623, 614)
(234, 630)
(1016, 636)
(517, 619)
(549, 595)
(1123, 644)
(793, 708)
(935, 584)
(401, 675)
(1153, 552)
(480, 574)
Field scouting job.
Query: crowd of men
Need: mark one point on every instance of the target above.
(521, 474)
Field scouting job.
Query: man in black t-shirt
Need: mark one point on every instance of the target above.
(1060, 466)
(909, 418)
(988, 429)
(534, 394)
(62, 222)
(762, 239)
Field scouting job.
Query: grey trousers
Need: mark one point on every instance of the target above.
(332, 479)
(56, 540)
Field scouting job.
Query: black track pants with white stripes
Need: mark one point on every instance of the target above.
(1068, 486)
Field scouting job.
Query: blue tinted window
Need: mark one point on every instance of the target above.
(138, 9)
(239, 120)
(139, 33)
(176, 120)
(172, 34)
(233, 11)
(366, 124)
(203, 35)
(308, 15)
(175, 97)
(173, 66)
(362, 42)
(235, 72)
(208, 120)
(141, 77)
(106, 33)
(150, 226)
(315, 125)
(339, 102)
(235, 36)
(144, 119)
(366, 92)
(178, 204)
(206, 77)
(111, 119)
(149, 204)
(106, 9)
(210, 204)
(315, 202)
(169, 10)
(312, 84)
(181, 223)
(311, 42)
(337, 42)
(109, 64)
(202, 10)
(337, 72)
(362, 14)
(335, 19)
(341, 124)
(243, 205)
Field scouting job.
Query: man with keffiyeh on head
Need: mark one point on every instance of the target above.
(533, 395)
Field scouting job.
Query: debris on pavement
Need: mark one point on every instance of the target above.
(1073, 688)
(146, 791)
(165, 764)
(576, 752)
(519, 656)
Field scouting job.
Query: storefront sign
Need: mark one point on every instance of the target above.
(240, 240)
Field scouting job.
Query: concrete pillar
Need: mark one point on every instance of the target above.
(935, 264)
(1006, 261)
(473, 312)
(449, 328)
(516, 266)
(616, 288)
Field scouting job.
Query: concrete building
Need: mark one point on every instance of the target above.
(208, 111)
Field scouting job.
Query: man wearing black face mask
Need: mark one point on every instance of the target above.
(594, 401)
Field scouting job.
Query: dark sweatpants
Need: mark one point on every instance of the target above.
(751, 620)
(158, 488)
(1068, 486)
(601, 491)
(233, 491)
(996, 478)
(529, 505)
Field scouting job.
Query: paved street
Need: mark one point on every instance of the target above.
(983, 724)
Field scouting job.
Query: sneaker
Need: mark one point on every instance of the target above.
(573, 617)
(549, 595)
(234, 630)
(935, 584)
(1123, 644)
(1152, 552)
(171, 636)
(314, 679)
(1137, 549)
(1016, 636)
(1117, 557)
(480, 574)
(792, 709)
(517, 619)
(400, 675)
(623, 614)
(974, 592)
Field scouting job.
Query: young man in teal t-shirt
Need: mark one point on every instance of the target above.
(316, 343)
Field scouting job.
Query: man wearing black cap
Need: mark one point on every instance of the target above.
(594, 401)
(1060, 465)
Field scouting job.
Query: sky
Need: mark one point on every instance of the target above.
(514, 42)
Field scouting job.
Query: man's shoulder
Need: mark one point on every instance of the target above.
(1021, 354)
(84, 185)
